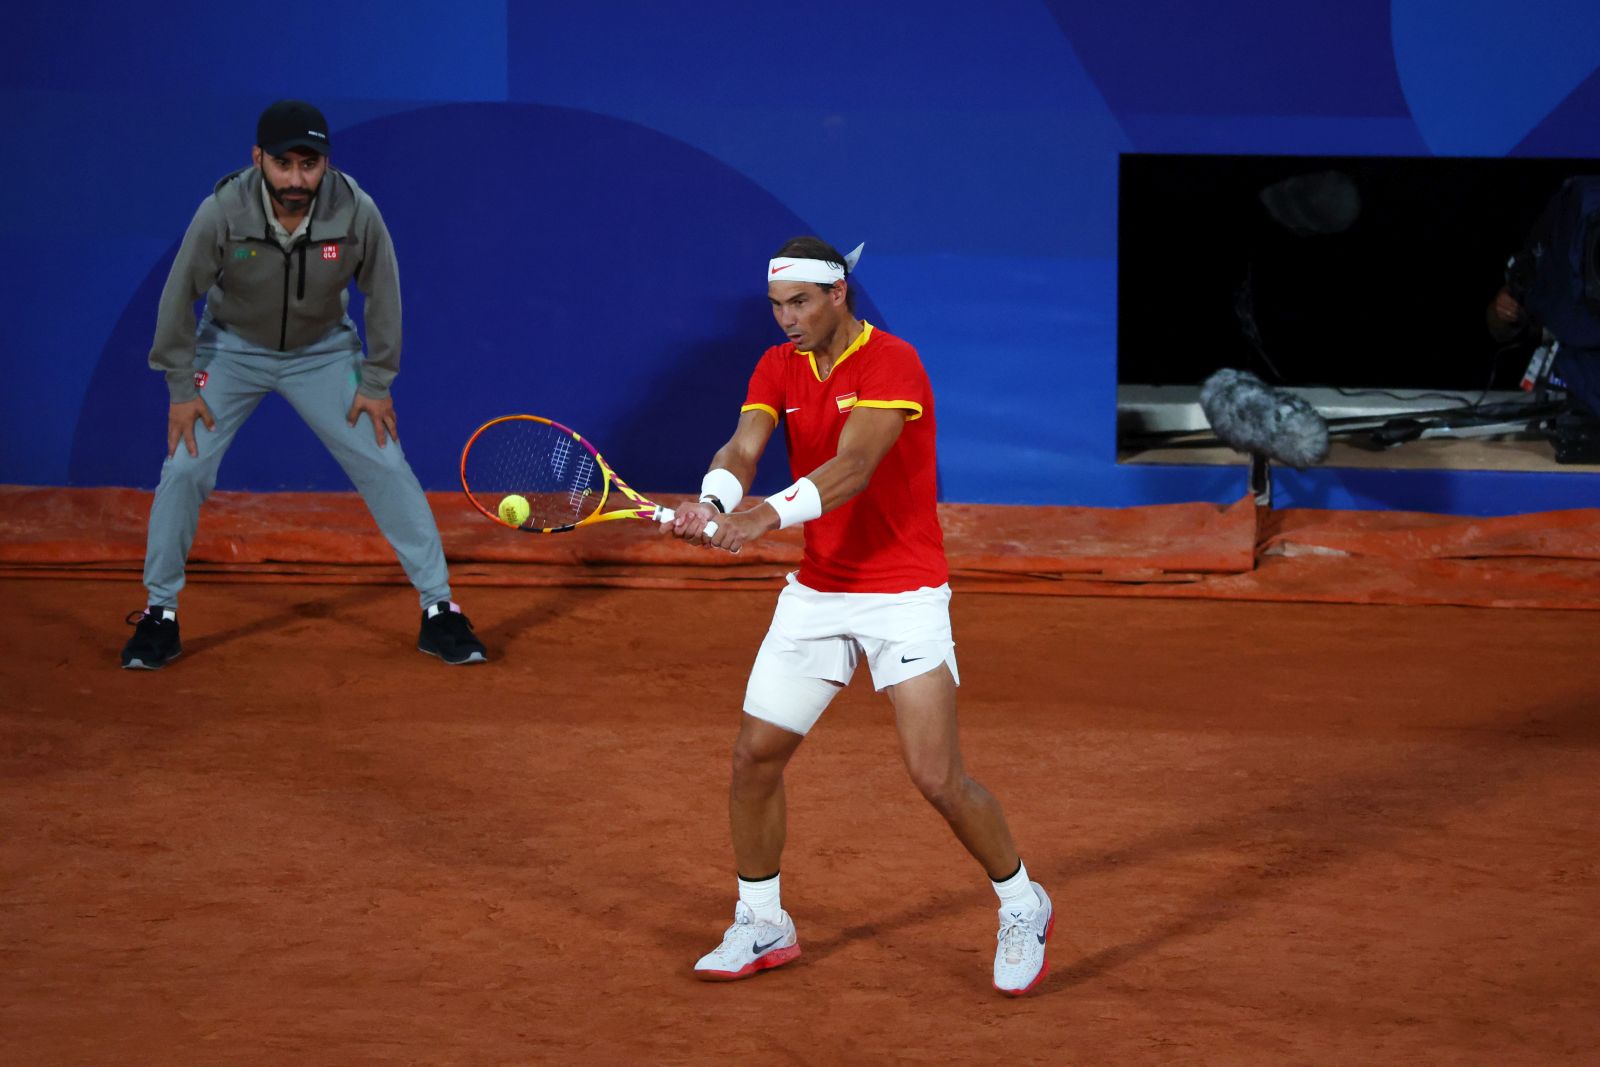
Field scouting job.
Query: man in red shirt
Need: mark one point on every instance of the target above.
(858, 417)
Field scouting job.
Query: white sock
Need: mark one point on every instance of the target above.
(1016, 893)
(762, 898)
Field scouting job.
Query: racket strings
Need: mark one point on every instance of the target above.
(555, 473)
(585, 473)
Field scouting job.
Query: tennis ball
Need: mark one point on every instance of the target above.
(514, 510)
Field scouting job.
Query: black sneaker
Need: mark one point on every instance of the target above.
(446, 633)
(155, 639)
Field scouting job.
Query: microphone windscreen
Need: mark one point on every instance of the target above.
(1247, 414)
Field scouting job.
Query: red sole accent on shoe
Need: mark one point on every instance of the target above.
(776, 958)
(1044, 968)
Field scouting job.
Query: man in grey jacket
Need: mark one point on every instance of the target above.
(274, 249)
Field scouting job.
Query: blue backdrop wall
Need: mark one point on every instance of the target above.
(583, 196)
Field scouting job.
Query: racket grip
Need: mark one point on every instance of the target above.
(666, 515)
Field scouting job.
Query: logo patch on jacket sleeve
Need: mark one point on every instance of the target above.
(200, 379)
(330, 251)
(846, 401)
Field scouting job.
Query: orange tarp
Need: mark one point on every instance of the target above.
(1550, 559)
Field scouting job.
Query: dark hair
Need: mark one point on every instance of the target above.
(817, 248)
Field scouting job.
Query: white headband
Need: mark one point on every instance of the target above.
(785, 269)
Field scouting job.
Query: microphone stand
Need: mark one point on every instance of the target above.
(1261, 480)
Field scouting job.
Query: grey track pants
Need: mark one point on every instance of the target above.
(319, 382)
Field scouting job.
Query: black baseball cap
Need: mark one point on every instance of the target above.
(292, 124)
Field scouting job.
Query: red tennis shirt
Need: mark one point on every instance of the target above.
(885, 539)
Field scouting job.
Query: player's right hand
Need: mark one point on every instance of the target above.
(690, 521)
(180, 425)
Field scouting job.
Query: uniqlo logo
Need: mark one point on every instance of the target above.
(200, 377)
(330, 251)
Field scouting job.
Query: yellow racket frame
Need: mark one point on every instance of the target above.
(642, 508)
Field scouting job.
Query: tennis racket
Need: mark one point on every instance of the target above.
(559, 477)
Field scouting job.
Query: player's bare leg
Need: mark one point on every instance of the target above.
(762, 935)
(925, 714)
(757, 811)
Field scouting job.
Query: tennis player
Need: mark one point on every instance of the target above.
(858, 417)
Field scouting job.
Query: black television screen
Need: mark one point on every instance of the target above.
(1345, 272)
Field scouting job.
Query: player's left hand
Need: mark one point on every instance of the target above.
(381, 412)
(740, 528)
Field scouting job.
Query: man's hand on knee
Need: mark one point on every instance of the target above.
(180, 425)
(381, 412)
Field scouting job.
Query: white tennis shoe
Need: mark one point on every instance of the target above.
(749, 946)
(1019, 957)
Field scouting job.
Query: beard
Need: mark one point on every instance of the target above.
(291, 199)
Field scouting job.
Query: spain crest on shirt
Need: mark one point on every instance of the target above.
(845, 401)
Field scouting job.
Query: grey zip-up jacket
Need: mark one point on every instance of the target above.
(277, 299)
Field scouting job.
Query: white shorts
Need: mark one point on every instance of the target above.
(816, 640)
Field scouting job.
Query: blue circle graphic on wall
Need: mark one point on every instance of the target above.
(552, 261)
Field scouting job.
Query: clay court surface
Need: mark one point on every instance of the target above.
(1275, 833)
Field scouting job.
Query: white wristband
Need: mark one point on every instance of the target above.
(722, 484)
(799, 503)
